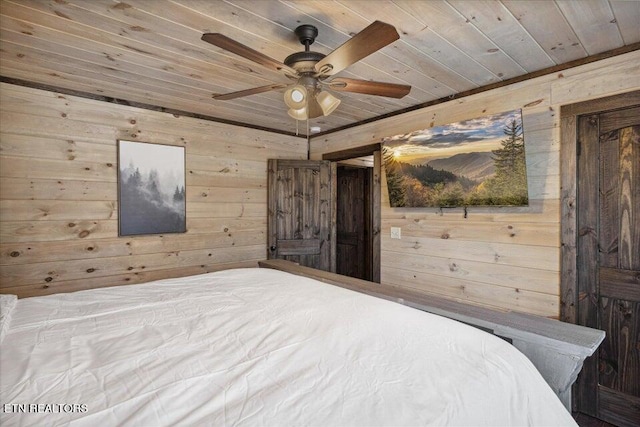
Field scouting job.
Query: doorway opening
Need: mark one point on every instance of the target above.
(353, 222)
(358, 212)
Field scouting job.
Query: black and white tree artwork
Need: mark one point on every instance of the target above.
(151, 188)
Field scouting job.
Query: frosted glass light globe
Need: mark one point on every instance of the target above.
(297, 95)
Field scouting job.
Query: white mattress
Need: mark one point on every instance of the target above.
(258, 347)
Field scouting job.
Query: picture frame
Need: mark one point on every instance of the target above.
(151, 188)
(475, 162)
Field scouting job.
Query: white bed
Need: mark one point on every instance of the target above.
(258, 347)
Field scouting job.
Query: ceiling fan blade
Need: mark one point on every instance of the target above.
(233, 46)
(374, 37)
(390, 90)
(246, 92)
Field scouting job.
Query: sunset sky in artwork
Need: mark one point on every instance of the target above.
(476, 135)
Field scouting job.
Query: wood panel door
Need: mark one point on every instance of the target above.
(608, 261)
(301, 215)
(353, 221)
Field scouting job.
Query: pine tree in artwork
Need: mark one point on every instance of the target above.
(179, 194)
(508, 158)
(152, 185)
(135, 179)
(395, 181)
(509, 184)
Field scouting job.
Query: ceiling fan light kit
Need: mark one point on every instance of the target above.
(308, 97)
(327, 102)
(300, 114)
(296, 97)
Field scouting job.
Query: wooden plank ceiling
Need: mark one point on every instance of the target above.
(149, 51)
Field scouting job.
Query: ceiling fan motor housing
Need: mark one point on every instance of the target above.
(306, 34)
(304, 62)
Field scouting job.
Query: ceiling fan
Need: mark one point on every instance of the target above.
(308, 96)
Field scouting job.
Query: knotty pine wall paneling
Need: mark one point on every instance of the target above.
(503, 258)
(58, 194)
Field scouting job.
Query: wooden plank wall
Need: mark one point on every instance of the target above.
(504, 258)
(58, 200)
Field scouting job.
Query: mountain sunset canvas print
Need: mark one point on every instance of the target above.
(475, 162)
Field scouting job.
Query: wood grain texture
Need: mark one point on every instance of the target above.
(619, 357)
(301, 212)
(568, 150)
(568, 221)
(128, 278)
(620, 269)
(58, 199)
(584, 420)
(605, 140)
(624, 284)
(629, 178)
(609, 206)
(587, 250)
(618, 408)
(354, 255)
(611, 283)
(619, 285)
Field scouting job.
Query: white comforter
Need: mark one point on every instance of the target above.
(258, 347)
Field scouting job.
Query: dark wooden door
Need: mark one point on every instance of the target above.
(353, 222)
(608, 261)
(301, 214)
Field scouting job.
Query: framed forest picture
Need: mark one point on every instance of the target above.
(477, 162)
(151, 188)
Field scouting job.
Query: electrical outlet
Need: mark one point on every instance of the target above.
(396, 233)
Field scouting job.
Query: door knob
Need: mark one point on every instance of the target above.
(273, 248)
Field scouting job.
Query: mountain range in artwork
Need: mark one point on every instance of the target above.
(475, 166)
(471, 163)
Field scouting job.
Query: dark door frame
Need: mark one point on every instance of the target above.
(569, 149)
(375, 197)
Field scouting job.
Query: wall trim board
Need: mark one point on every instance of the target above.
(350, 153)
(119, 101)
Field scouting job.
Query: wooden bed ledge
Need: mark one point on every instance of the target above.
(507, 324)
(556, 348)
